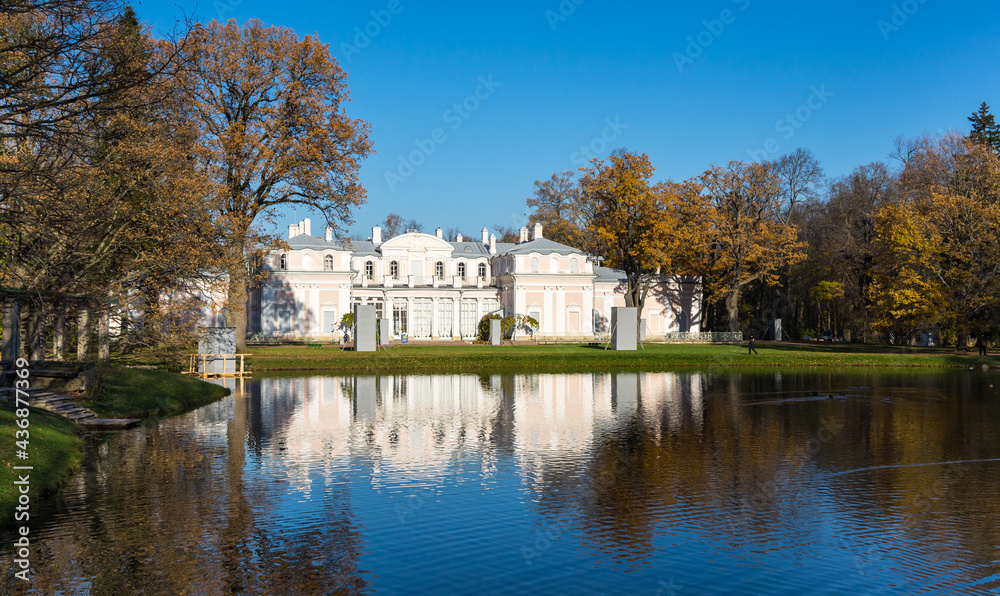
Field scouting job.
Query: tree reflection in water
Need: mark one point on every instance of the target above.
(353, 485)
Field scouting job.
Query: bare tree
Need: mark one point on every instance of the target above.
(800, 176)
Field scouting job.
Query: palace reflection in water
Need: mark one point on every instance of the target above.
(583, 483)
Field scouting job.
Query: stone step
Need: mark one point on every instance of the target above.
(81, 415)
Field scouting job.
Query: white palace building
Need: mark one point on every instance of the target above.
(435, 290)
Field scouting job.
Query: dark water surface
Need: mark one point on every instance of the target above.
(656, 483)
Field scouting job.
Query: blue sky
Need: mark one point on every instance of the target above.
(540, 87)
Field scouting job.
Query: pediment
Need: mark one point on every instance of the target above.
(416, 242)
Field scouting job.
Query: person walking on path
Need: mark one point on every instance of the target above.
(981, 344)
(751, 345)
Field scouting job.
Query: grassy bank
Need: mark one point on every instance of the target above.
(55, 449)
(54, 452)
(148, 393)
(565, 358)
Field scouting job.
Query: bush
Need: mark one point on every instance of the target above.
(508, 325)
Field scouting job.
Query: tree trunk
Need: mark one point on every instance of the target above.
(236, 307)
(733, 309)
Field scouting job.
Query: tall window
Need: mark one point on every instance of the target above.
(369, 270)
(439, 270)
(444, 318)
(328, 263)
(534, 264)
(282, 262)
(574, 266)
(461, 270)
(394, 269)
(482, 270)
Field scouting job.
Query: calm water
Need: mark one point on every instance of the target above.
(652, 484)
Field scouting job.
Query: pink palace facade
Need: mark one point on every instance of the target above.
(435, 290)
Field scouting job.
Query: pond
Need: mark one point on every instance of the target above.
(828, 482)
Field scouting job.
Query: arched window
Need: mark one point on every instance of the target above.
(282, 262)
(534, 264)
(461, 270)
(439, 270)
(554, 265)
(574, 266)
(394, 269)
(328, 263)
(482, 270)
(369, 270)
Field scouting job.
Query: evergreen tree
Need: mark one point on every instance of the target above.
(984, 128)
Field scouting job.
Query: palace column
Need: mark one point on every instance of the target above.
(103, 333)
(59, 332)
(36, 332)
(82, 332)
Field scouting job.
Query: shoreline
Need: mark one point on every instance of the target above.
(56, 445)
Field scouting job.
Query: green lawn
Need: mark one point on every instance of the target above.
(572, 357)
(149, 393)
(54, 451)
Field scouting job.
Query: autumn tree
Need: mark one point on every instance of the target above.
(905, 290)
(748, 240)
(506, 234)
(113, 207)
(630, 219)
(841, 239)
(269, 107)
(392, 226)
(557, 206)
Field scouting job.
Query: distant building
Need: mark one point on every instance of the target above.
(433, 289)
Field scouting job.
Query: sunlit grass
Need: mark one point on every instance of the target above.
(54, 452)
(574, 357)
(149, 393)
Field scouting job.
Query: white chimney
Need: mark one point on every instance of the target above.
(458, 238)
(439, 233)
(329, 233)
(307, 227)
(376, 235)
(292, 231)
(486, 236)
(538, 232)
(522, 235)
(493, 244)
